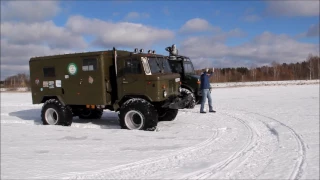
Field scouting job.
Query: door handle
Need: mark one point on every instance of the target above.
(124, 82)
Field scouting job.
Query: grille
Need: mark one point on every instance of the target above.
(172, 87)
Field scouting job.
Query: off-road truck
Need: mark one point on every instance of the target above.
(139, 86)
(190, 81)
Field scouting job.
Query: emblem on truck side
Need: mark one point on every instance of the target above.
(90, 80)
(72, 68)
(37, 81)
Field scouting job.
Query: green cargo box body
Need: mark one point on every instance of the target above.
(86, 79)
(76, 79)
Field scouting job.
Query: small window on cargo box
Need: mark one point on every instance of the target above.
(89, 64)
(49, 72)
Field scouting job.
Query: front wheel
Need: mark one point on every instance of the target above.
(167, 114)
(185, 93)
(138, 114)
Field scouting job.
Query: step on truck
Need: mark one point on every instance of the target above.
(139, 86)
(190, 81)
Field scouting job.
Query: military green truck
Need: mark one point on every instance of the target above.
(190, 81)
(139, 86)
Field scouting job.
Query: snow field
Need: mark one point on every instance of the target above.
(265, 132)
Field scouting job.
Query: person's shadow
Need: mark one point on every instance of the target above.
(109, 119)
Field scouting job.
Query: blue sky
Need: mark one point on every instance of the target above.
(212, 33)
(173, 14)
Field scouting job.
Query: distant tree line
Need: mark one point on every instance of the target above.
(306, 70)
(16, 81)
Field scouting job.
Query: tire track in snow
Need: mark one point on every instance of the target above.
(149, 166)
(252, 144)
(252, 161)
(256, 159)
(298, 169)
(299, 166)
(215, 170)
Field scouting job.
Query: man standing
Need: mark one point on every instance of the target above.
(205, 88)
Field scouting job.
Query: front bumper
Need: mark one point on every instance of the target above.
(176, 102)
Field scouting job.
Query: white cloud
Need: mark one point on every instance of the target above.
(25, 33)
(261, 50)
(219, 38)
(197, 25)
(15, 57)
(251, 18)
(19, 54)
(313, 31)
(29, 11)
(136, 15)
(40, 33)
(293, 8)
(22, 40)
(124, 34)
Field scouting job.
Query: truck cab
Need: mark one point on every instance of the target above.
(190, 81)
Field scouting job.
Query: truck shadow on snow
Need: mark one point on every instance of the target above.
(109, 120)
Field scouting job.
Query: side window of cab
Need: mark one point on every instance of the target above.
(132, 66)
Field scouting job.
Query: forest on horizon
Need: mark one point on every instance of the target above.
(305, 70)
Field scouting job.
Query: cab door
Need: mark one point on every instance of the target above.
(131, 80)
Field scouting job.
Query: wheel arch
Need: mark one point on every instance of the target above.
(127, 97)
(187, 87)
(45, 98)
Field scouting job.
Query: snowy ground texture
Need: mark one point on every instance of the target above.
(265, 132)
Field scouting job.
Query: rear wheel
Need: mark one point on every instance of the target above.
(54, 113)
(138, 114)
(167, 114)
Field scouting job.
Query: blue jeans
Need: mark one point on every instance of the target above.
(206, 94)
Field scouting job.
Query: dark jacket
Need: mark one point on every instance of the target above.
(205, 80)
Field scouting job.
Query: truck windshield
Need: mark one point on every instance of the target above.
(159, 65)
(188, 68)
(176, 66)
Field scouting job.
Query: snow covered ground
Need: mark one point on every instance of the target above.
(265, 132)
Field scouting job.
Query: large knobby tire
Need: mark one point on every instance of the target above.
(192, 103)
(167, 114)
(138, 114)
(91, 113)
(54, 113)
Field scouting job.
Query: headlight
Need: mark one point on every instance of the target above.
(164, 93)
